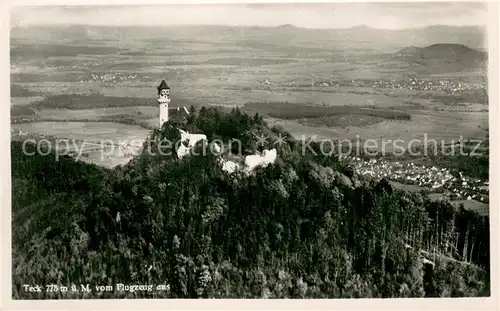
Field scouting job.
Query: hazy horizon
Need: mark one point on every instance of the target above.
(304, 15)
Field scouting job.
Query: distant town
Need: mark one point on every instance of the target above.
(437, 180)
(448, 86)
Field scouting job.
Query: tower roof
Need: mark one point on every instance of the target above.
(163, 85)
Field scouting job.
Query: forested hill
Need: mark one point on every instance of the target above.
(457, 56)
(305, 226)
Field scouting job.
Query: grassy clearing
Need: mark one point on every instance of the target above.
(39, 51)
(61, 76)
(119, 118)
(343, 121)
(97, 113)
(475, 96)
(25, 101)
(442, 125)
(139, 66)
(237, 61)
(21, 111)
(78, 101)
(87, 131)
(19, 91)
(170, 53)
(317, 97)
(285, 110)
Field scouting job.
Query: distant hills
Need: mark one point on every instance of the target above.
(284, 36)
(457, 55)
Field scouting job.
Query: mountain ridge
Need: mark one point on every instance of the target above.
(286, 35)
(290, 26)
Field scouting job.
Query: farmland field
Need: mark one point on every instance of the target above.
(99, 142)
(431, 124)
(92, 131)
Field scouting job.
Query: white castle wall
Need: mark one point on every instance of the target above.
(253, 161)
(191, 139)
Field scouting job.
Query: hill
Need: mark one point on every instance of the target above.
(282, 37)
(446, 55)
(303, 227)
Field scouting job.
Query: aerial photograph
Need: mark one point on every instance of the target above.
(259, 150)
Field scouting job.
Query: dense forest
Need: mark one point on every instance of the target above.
(304, 227)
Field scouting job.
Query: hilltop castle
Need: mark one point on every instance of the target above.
(189, 140)
(167, 113)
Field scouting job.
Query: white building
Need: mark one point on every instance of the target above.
(163, 101)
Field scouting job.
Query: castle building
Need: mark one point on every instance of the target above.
(166, 113)
(163, 101)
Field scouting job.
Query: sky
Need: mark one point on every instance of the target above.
(320, 15)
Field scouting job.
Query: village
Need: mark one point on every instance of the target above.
(429, 178)
(452, 87)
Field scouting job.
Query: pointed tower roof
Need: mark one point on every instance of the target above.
(163, 85)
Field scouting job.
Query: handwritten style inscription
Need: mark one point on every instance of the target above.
(87, 288)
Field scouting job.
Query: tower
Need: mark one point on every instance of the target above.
(163, 101)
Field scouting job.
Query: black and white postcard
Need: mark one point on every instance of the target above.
(264, 151)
